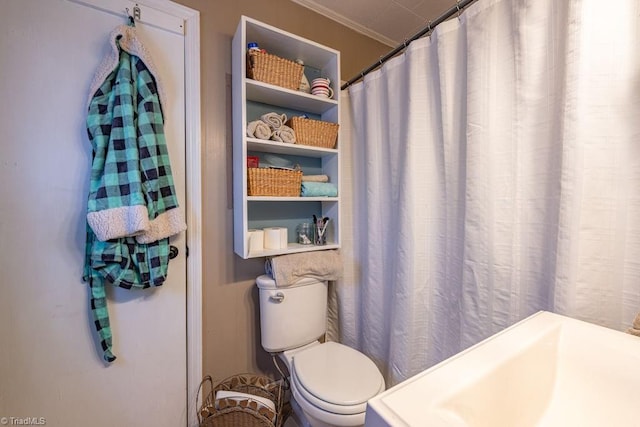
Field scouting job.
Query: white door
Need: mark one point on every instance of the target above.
(50, 365)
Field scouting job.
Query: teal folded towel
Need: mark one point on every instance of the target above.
(318, 189)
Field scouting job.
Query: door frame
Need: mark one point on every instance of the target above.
(193, 175)
(194, 208)
(193, 135)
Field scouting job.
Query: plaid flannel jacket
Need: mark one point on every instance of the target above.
(130, 178)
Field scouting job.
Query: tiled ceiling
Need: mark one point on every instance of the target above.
(388, 21)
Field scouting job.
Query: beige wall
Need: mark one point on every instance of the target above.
(231, 317)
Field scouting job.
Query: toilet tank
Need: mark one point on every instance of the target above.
(291, 316)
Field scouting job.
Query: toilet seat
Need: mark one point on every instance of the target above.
(336, 378)
(328, 418)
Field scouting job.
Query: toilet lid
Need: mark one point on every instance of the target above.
(337, 374)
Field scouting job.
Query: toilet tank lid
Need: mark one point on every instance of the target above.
(267, 282)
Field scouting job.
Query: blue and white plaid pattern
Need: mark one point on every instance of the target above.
(130, 167)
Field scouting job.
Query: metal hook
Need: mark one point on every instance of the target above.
(458, 8)
(429, 29)
(132, 18)
(405, 43)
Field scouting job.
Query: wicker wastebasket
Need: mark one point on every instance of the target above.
(240, 412)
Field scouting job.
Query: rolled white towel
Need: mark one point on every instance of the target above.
(284, 134)
(274, 120)
(259, 129)
(315, 178)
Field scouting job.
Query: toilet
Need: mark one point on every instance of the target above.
(330, 382)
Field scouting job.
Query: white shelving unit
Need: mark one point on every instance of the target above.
(251, 99)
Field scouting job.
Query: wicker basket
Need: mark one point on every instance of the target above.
(272, 69)
(242, 412)
(273, 182)
(314, 132)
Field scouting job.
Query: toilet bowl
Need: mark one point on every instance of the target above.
(330, 382)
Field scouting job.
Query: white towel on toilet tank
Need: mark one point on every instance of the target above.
(286, 270)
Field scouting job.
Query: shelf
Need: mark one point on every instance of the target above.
(286, 98)
(288, 45)
(267, 146)
(252, 99)
(290, 199)
(293, 248)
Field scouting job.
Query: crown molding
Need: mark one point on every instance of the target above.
(322, 10)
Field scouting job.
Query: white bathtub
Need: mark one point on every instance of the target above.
(547, 370)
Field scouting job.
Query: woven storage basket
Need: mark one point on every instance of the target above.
(273, 182)
(240, 412)
(272, 69)
(314, 132)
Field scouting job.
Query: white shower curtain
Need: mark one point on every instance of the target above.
(496, 172)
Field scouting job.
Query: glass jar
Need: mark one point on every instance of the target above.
(305, 233)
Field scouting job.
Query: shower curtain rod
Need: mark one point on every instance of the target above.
(460, 5)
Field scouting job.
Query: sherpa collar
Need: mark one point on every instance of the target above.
(127, 38)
